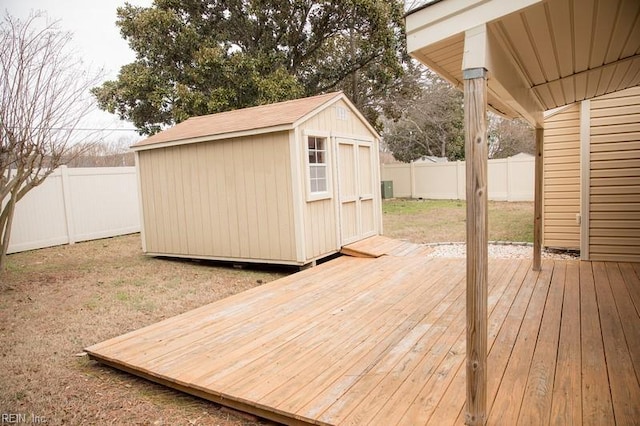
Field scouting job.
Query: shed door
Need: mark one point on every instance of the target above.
(356, 186)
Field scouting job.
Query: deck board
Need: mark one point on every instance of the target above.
(632, 282)
(445, 367)
(380, 245)
(508, 402)
(596, 405)
(413, 360)
(518, 292)
(567, 393)
(539, 389)
(625, 389)
(381, 341)
(331, 369)
(626, 310)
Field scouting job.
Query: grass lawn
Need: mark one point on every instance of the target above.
(431, 221)
(56, 301)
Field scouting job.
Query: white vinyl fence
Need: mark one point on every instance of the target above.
(510, 179)
(74, 205)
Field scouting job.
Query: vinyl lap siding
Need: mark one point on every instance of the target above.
(614, 224)
(562, 179)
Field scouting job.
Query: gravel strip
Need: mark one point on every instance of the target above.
(498, 251)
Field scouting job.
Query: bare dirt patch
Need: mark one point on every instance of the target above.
(56, 301)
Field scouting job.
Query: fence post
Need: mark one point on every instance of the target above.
(460, 181)
(412, 178)
(509, 188)
(66, 197)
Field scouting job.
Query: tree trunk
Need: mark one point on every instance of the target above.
(354, 75)
(5, 229)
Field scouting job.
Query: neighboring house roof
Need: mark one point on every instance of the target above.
(522, 155)
(260, 119)
(388, 158)
(431, 159)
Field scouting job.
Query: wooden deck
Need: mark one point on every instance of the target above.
(380, 245)
(381, 341)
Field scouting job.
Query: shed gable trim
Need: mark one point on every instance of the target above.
(212, 138)
(332, 102)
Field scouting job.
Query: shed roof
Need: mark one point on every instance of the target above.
(540, 54)
(259, 119)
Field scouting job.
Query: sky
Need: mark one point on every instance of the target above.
(96, 38)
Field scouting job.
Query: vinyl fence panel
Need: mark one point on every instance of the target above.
(400, 175)
(509, 179)
(74, 205)
(439, 180)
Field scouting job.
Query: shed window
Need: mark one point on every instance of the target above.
(317, 164)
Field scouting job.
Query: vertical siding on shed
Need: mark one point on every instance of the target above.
(561, 201)
(223, 199)
(614, 224)
(320, 220)
(328, 121)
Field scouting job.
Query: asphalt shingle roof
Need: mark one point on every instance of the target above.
(246, 119)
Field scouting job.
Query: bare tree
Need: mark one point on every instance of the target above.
(45, 94)
(509, 137)
(431, 124)
(105, 153)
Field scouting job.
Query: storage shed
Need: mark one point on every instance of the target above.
(592, 177)
(285, 183)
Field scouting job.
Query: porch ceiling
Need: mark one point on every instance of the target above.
(540, 54)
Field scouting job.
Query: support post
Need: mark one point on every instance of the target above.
(68, 210)
(475, 123)
(537, 203)
(585, 178)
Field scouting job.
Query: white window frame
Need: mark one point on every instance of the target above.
(328, 193)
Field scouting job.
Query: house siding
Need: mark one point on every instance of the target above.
(561, 200)
(225, 199)
(614, 223)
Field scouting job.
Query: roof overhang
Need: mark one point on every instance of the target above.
(539, 54)
(215, 137)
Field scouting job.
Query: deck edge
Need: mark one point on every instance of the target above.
(225, 401)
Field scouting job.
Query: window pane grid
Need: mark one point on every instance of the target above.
(317, 164)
